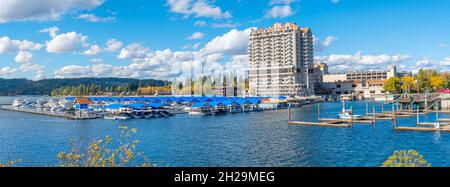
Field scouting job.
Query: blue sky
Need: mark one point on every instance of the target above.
(160, 38)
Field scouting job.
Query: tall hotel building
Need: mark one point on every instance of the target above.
(281, 61)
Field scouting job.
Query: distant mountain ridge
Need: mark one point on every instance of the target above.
(11, 87)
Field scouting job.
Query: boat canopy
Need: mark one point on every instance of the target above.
(200, 104)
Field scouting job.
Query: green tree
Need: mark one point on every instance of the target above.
(409, 158)
(392, 85)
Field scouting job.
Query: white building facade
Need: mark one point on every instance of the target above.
(281, 61)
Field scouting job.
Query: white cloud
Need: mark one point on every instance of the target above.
(233, 42)
(191, 46)
(196, 36)
(7, 45)
(5, 71)
(197, 8)
(279, 12)
(42, 10)
(39, 70)
(442, 45)
(24, 57)
(96, 60)
(113, 45)
(329, 40)
(134, 50)
(358, 61)
(277, 2)
(200, 23)
(168, 64)
(223, 25)
(93, 50)
(52, 31)
(95, 19)
(67, 42)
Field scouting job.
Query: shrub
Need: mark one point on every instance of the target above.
(103, 153)
(409, 158)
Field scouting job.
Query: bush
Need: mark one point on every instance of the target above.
(409, 158)
(103, 153)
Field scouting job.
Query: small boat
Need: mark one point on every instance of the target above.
(118, 117)
(347, 114)
(17, 103)
(201, 112)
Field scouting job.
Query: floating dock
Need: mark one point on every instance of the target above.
(76, 116)
(329, 124)
(424, 129)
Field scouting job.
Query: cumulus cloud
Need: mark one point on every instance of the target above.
(52, 31)
(134, 50)
(95, 19)
(200, 23)
(96, 60)
(66, 42)
(168, 64)
(196, 36)
(113, 45)
(93, 50)
(284, 2)
(279, 12)
(24, 57)
(5, 71)
(39, 70)
(7, 45)
(42, 10)
(233, 42)
(197, 8)
(329, 40)
(358, 61)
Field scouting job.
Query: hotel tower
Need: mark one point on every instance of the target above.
(281, 61)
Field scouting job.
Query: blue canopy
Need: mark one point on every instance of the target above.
(115, 106)
(242, 101)
(138, 106)
(157, 105)
(215, 103)
(199, 104)
(229, 103)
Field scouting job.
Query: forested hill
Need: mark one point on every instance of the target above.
(45, 87)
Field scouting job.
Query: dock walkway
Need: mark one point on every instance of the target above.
(67, 115)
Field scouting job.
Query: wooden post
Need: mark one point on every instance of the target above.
(374, 116)
(318, 112)
(437, 112)
(418, 116)
(367, 108)
(351, 114)
(395, 119)
(289, 110)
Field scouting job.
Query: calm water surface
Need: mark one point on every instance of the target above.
(253, 139)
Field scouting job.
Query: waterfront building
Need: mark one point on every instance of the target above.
(281, 61)
(82, 103)
(363, 84)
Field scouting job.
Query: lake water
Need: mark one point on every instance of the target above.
(252, 139)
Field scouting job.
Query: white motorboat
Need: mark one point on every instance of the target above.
(17, 103)
(348, 114)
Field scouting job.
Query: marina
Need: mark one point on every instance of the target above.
(125, 108)
(242, 139)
